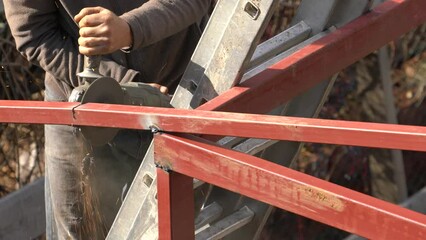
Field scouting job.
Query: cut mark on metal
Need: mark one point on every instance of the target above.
(73, 111)
(252, 10)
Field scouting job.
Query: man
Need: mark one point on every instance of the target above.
(139, 40)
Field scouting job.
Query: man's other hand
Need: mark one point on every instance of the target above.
(163, 89)
(101, 31)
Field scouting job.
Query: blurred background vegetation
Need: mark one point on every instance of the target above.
(21, 145)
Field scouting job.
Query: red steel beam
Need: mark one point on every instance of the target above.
(218, 123)
(37, 112)
(321, 59)
(288, 189)
(175, 206)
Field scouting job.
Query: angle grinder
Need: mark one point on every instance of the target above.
(101, 89)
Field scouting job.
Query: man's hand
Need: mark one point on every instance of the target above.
(101, 31)
(163, 89)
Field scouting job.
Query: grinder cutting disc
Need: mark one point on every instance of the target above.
(102, 90)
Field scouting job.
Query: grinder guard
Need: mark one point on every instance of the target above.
(107, 90)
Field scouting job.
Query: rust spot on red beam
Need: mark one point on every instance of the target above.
(318, 198)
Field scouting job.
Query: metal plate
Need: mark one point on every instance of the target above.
(102, 90)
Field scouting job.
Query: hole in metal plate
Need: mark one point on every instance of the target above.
(147, 180)
(252, 10)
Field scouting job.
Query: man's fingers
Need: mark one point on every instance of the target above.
(163, 89)
(98, 24)
(90, 21)
(92, 41)
(87, 11)
(93, 31)
(90, 51)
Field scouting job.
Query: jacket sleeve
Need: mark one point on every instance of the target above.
(159, 19)
(42, 39)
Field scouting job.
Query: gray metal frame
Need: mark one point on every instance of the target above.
(231, 34)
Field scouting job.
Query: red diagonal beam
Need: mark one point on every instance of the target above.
(318, 61)
(218, 123)
(288, 189)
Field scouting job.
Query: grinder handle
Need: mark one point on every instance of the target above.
(91, 68)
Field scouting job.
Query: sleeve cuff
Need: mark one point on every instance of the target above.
(127, 49)
(136, 31)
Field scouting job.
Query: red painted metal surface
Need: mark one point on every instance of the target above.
(288, 189)
(321, 59)
(175, 206)
(37, 112)
(219, 123)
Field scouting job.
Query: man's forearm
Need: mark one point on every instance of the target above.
(159, 19)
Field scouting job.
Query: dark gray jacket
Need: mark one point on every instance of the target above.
(165, 33)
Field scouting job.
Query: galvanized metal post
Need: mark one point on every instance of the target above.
(389, 101)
